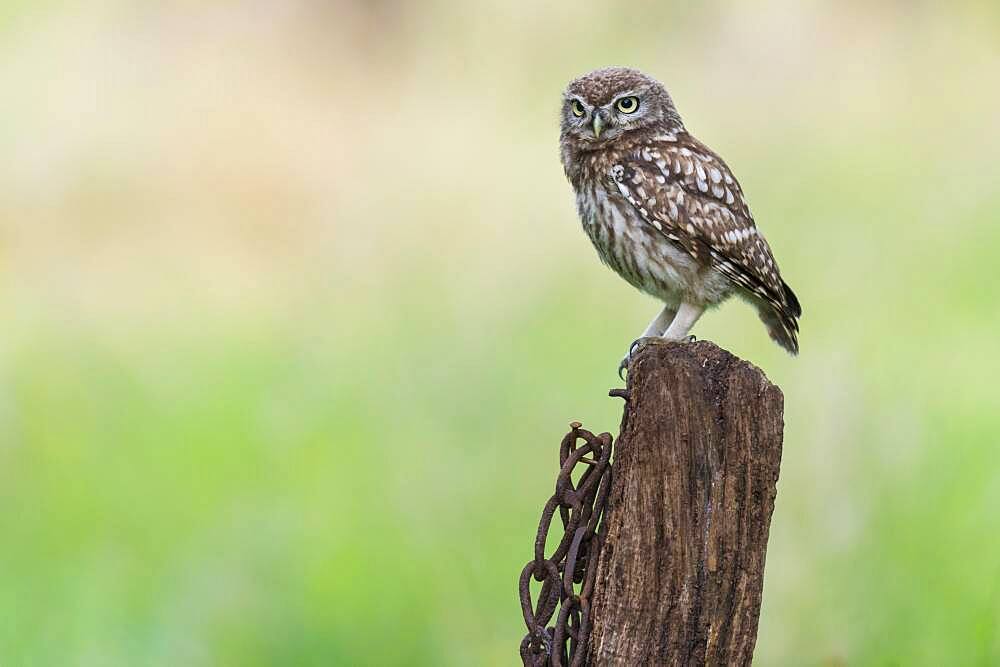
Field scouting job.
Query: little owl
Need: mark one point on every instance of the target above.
(663, 210)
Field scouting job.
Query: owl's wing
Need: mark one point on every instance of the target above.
(688, 193)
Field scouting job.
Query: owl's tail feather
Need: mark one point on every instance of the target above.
(781, 324)
(792, 301)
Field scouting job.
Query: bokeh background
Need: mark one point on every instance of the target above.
(296, 308)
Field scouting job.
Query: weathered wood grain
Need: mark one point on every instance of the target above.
(681, 572)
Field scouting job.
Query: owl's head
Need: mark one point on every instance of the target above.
(607, 103)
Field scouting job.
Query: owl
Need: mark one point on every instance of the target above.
(663, 210)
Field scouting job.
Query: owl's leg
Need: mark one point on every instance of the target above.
(654, 330)
(659, 323)
(687, 315)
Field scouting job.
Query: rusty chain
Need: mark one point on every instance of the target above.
(574, 561)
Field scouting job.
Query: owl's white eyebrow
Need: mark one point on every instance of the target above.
(628, 93)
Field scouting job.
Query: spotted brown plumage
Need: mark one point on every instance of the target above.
(663, 210)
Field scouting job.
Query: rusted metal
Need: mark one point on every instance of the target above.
(619, 393)
(574, 560)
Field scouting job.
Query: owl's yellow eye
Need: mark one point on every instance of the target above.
(577, 108)
(628, 104)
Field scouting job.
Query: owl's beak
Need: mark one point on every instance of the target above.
(598, 125)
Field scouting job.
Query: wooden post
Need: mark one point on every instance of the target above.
(680, 575)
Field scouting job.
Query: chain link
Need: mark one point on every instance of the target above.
(574, 561)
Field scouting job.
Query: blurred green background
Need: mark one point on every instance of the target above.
(296, 308)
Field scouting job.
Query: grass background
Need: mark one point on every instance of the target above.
(295, 309)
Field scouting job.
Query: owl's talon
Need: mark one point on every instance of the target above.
(690, 338)
(632, 349)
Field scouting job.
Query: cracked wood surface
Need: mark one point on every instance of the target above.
(696, 466)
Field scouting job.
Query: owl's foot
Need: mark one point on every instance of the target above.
(632, 349)
(646, 340)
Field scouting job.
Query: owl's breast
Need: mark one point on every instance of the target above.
(638, 252)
